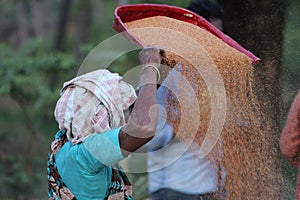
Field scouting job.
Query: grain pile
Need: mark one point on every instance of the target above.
(246, 154)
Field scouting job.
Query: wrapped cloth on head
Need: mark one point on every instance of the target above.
(93, 103)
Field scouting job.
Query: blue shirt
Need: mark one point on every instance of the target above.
(86, 167)
(171, 165)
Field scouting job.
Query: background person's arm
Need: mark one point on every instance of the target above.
(142, 123)
(162, 138)
(290, 137)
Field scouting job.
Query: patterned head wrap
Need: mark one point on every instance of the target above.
(93, 103)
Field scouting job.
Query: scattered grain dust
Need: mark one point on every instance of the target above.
(247, 158)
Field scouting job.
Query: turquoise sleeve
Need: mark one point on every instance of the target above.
(104, 149)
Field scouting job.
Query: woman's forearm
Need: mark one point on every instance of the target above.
(141, 125)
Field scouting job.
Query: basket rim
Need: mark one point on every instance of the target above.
(132, 12)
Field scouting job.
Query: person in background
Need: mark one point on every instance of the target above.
(212, 11)
(174, 172)
(290, 139)
(95, 135)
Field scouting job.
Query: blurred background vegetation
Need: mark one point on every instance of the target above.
(43, 43)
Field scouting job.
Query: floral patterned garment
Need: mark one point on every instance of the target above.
(120, 187)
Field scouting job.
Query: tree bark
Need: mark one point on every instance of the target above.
(258, 26)
(83, 19)
(98, 9)
(62, 24)
(37, 18)
(23, 29)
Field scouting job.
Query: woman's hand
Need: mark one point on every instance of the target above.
(150, 55)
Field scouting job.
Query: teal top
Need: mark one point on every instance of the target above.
(86, 167)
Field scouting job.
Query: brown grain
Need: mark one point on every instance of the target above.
(246, 149)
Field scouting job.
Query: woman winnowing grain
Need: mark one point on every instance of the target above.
(94, 134)
(290, 138)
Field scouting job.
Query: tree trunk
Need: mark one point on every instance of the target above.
(83, 19)
(62, 24)
(37, 18)
(258, 26)
(98, 9)
(23, 30)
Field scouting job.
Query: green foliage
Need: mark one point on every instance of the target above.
(31, 76)
(140, 186)
(285, 3)
(291, 55)
(14, 176)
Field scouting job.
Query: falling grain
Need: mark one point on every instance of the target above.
(246, 154)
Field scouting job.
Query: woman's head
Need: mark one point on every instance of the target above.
(93, 103)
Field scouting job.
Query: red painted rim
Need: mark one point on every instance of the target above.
(128, 13)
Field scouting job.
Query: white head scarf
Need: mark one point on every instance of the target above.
(93, 103)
